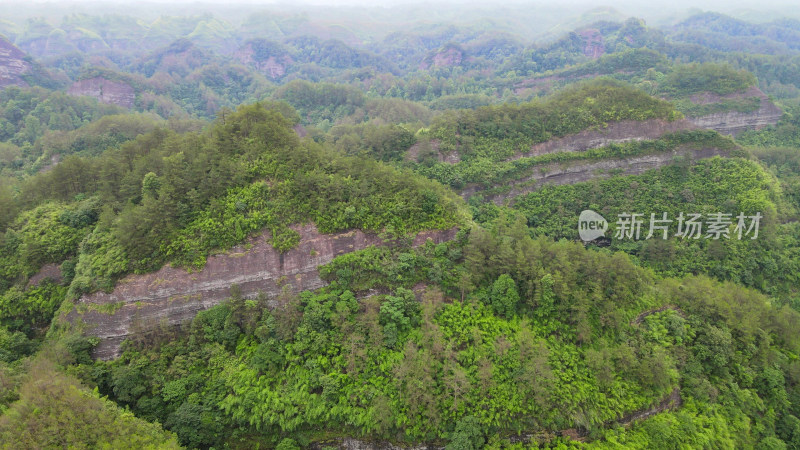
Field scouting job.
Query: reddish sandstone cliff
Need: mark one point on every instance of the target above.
(735, 122)
(13, 65)
(615, 132)
(107, 91)
(172, 296)
(273, 66)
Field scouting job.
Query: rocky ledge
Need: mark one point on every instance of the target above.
(735, 122)
(172, 296)
(107, 91)
(615, 132)
(13, 65)
(587, 170)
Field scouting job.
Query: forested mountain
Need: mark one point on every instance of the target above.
(235, 226)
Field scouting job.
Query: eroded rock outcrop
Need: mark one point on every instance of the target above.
(593, 43)
(421, 150)
(580, 171)
(267, 58)
(274, 67)
(107, 91)
(13, 65)
(615, 132)
(172, 296)
(50, 272)
(735, 122)
(449, 56)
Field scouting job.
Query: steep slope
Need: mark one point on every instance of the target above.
(12, 65)
(591, 130)
(560, 173)
(720, 32)
(268, 58)
(712, 96)
(178, 59)
(546, 336)
(172, 296)
(112, 92)
(613, 133)
(758, 114)
(494, 146)
(15, 66)
(193, 195)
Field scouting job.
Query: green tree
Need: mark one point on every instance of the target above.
(398, 314)
(504, 296)
(468, 435)
(150, 185)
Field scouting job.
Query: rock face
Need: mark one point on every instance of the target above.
(594, 43)
(734, 122)
(50, 272)
(615, 132)
(172, 296)
(12, 65)
(272, 66)
(178, 58)
(419, 151)
(580, 171)
(111, 92)
(449, 56)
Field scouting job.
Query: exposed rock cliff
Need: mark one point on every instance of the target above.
(181, 57)
(580, 171)
(735, 122)
(449, 56)
(12, 65)
(107, 91)
(421, 150)
(50, 272)
(269, 59)
(615, 132)
(594, 43)
(172, 296)
(273, 67)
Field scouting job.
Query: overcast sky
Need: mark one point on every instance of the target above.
(656, 12)
(705, 4)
